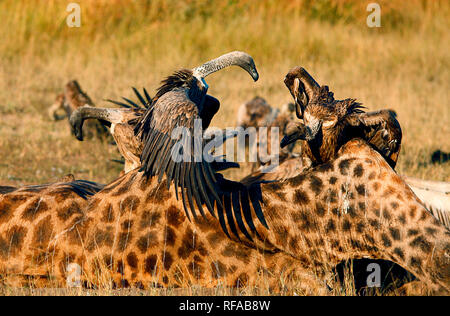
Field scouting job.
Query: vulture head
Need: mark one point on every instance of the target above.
(194, 83)
(322, 115)
(329, 123)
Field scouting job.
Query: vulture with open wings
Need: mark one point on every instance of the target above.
(172, 133)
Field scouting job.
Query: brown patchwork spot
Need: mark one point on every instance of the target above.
(372, 175)
(346, 225)
(402, 218)
(174, 216)
(281, 233)
(169, 236)
(315, 184)
(297, 181)
(300, 197)
(331, 227)
(280, 195)
(129, 204)
(167, 260)
(361, 189)
(147, 241)
(412, 212)
(61, 195)
(34, 209)
(308, 223)
(422, 243)
(320, 210)
(242, 280)
(360, 227)
(237, 251)
(214, 238)
(374, 223)
(101, 238)
(344, 165)
(386, 241)
(108, 214)
(390, 190)
(158, 195)
(362, 206)
(191, 244)
(94, 202)
(150, 264)
(132, 260)
(332, 196)
(13, 241)
(399, 253)
(424, 215)
(66, 212)
(127, 224)
(43, 231)
(376, 186)
(395, 233)
(218, 270)
(358, 171)
(386, 214)
(376, 212)
(356, 244)
(149, 219)
(413, 232)
(195, 268)
(430, 231)
(325, 167)
(144, 182)
(332, 180)
(352, 211)
(6, 212)
(416, 263)
(369, 239)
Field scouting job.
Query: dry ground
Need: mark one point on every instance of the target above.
(404, 65)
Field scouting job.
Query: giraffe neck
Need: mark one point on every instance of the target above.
(356, 208)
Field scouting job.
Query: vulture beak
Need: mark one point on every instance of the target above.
(254, 73)
(298, 131)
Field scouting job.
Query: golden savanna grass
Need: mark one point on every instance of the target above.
(404, 65)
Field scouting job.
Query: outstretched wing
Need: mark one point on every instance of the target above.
(172, 134)
(144, 102)
(382, 130)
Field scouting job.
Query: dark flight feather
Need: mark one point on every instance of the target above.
(178, 103)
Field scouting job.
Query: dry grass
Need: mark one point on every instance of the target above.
(404, 65)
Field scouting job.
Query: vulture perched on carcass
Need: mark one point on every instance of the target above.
(328, 123)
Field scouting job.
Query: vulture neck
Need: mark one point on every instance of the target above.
(197, 95)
